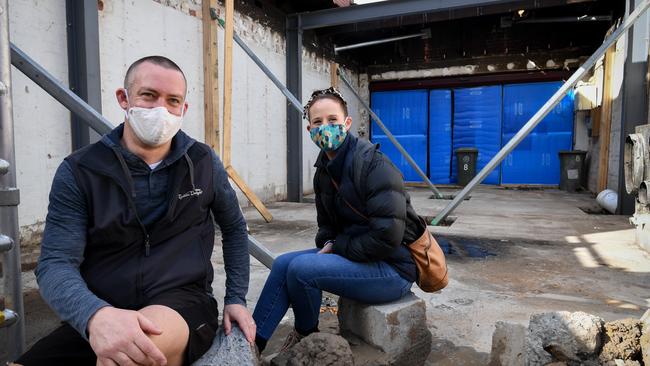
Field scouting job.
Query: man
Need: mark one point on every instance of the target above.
(125, 257)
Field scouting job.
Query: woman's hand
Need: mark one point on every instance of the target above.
(327, 248)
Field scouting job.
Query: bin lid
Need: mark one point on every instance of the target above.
(572, 152)
(466, 150)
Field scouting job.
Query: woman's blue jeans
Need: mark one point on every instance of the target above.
(297, 279)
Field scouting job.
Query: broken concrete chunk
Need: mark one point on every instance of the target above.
(621, 340)
(645, 338)
(508, 344)
(231, 350)
(315, 350)
(399, 328)
(562, 337)
(645, 318)
(619, 362)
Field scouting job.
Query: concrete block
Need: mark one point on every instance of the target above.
(562, 336)
(398, 329)
(231, 350)
(508, 344)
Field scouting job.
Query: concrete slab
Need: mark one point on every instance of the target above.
(512, 253)
(397, 328)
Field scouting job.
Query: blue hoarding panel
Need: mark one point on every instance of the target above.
(440, 136)
(477, 123)
(405, 114)
(535, 160)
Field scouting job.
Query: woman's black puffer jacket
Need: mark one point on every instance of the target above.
(381, 219)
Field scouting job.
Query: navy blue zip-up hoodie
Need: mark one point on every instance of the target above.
(118, 233)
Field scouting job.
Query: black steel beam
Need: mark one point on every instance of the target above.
(446, 10)
(83, 64)
(294, 118)
(635, 101)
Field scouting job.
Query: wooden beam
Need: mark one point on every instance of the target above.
(606, 119)
(232, 173)
(227, 83)
(210, 76)
(334, 77)
(595, 116)
(227, 114)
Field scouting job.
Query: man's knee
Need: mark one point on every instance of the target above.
(175, 331)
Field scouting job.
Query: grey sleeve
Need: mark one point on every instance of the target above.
(228, 216)
(62, 249)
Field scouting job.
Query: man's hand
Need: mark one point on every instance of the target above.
(119, 337)
(240, 315)
(327, 248)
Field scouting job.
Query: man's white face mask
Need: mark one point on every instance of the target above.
(153, 126)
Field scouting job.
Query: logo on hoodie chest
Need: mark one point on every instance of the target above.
(193, 192)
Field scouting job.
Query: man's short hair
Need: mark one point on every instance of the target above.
(156, 60)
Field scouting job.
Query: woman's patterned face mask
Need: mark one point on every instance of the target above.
(328, 137)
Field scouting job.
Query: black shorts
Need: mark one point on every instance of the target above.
(65, 346)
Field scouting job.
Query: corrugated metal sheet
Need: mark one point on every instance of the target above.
(477, 123)
(405, 114)
(535, 160)
(440, 136)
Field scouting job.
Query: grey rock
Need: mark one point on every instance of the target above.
(317, 349)
(399, 329)
(508, 344)
(562, 336)
(621, 340)
(231, 350)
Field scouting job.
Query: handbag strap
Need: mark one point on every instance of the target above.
(346, 201)
(429, 243)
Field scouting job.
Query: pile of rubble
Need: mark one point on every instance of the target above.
(396, 334)
(567, 339)
(388, 334)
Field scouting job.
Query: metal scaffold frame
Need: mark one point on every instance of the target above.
(12, 317)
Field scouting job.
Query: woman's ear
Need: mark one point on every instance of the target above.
(348, 123)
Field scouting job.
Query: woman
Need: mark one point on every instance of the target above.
(364, 217)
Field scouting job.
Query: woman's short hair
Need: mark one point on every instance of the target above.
(330, 93)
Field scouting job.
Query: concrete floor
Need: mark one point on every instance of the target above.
(511, 253)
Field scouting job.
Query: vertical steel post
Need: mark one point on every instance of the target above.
(83, 64)
(542, 112)
(294, 118)
(9, 198)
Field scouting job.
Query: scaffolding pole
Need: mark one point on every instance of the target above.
(13, 317)
(95, 120)
(58, 91)
(542, 112)
(392, 138)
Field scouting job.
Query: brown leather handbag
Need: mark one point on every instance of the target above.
(430, 262)
(428, 256)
